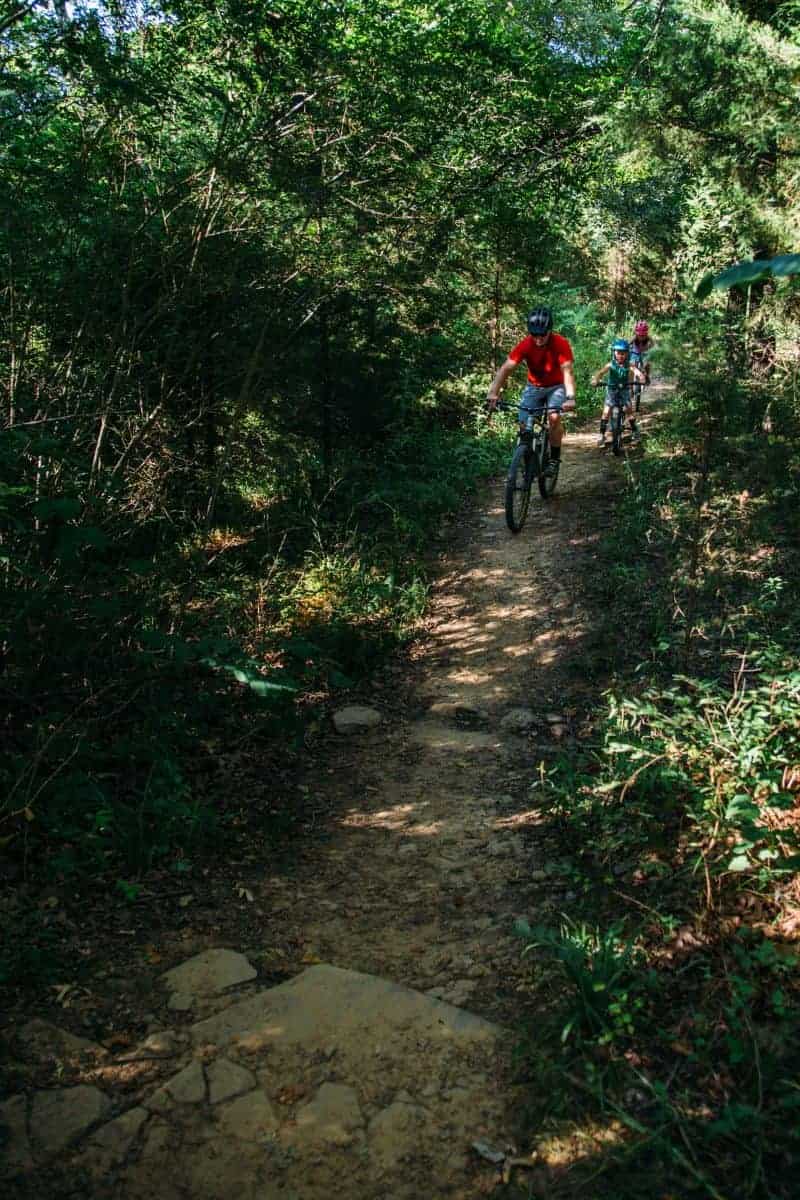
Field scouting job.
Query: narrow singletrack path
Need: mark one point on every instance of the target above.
(435, 848)
(434, 851)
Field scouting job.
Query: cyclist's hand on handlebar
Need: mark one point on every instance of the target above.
(495, 404)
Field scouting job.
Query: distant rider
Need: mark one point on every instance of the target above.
(620, 373)
(551, 376)
(642, 346)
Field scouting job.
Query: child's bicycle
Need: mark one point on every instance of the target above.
(638, 386)
(616, 417)
(530, 460)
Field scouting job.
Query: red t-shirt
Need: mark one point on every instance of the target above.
(545, 363)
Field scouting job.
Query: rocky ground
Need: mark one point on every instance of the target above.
(357, 1036)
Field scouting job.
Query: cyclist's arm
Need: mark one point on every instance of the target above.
(598, 376)
(499, 382)
(569, 384)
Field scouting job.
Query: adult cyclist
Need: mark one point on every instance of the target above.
(620, 374)
(551, 376)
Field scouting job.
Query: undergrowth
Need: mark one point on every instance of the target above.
(135, 668)
(672, 1044)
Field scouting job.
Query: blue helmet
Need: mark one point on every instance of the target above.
(621, 344)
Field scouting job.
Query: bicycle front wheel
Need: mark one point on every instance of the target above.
(518, 488)
(616, 429)
(548, 473)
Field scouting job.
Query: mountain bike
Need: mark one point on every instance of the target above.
(530, 460)
(616, 417)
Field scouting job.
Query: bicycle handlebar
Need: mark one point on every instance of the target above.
(504, 406)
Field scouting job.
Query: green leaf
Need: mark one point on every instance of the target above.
(705, 285)
(255, 681)
(751, 271)
(739, 862)
(742, 808)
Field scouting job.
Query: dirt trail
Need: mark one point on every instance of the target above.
(336, 1081)
(436, 849)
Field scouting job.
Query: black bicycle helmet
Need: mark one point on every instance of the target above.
(540, 321)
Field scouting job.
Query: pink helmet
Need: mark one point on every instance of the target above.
(641, 329)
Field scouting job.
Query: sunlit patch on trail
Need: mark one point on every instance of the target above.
(518, 819)
(387, 818)
(516, 651)
(464, 676)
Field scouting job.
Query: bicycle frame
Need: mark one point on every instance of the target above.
(617, 402)
(534, 431)
(531, 459)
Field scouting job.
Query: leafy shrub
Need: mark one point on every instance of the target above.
(600, 968)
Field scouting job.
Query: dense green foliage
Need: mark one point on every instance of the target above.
(673, 988)
(257, 272)
(259, 263)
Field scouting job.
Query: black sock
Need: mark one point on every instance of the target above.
(555, 453)
(603, 425)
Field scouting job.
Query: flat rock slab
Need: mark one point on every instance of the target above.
(15, 1147)
(325, 1003)
(438, 738)
(61, 1116)
(356, 718)
(334, 1083)
(209, 973)
(47, 1043)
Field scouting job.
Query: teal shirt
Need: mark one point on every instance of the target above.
(617, 374)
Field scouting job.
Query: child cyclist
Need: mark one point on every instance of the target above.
(642, 347)
(620, 373)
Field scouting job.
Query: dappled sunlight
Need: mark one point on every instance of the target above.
(259, 1039)
(581, 1143)
(502, 613)
(388, 818)
(468, 640)
(520, 651)
(518, 820)
(468, 677)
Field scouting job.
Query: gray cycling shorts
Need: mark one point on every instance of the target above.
(614, 396)
(534, 399)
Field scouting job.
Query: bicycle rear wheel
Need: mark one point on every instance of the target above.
(518, 487)
(637, 396)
